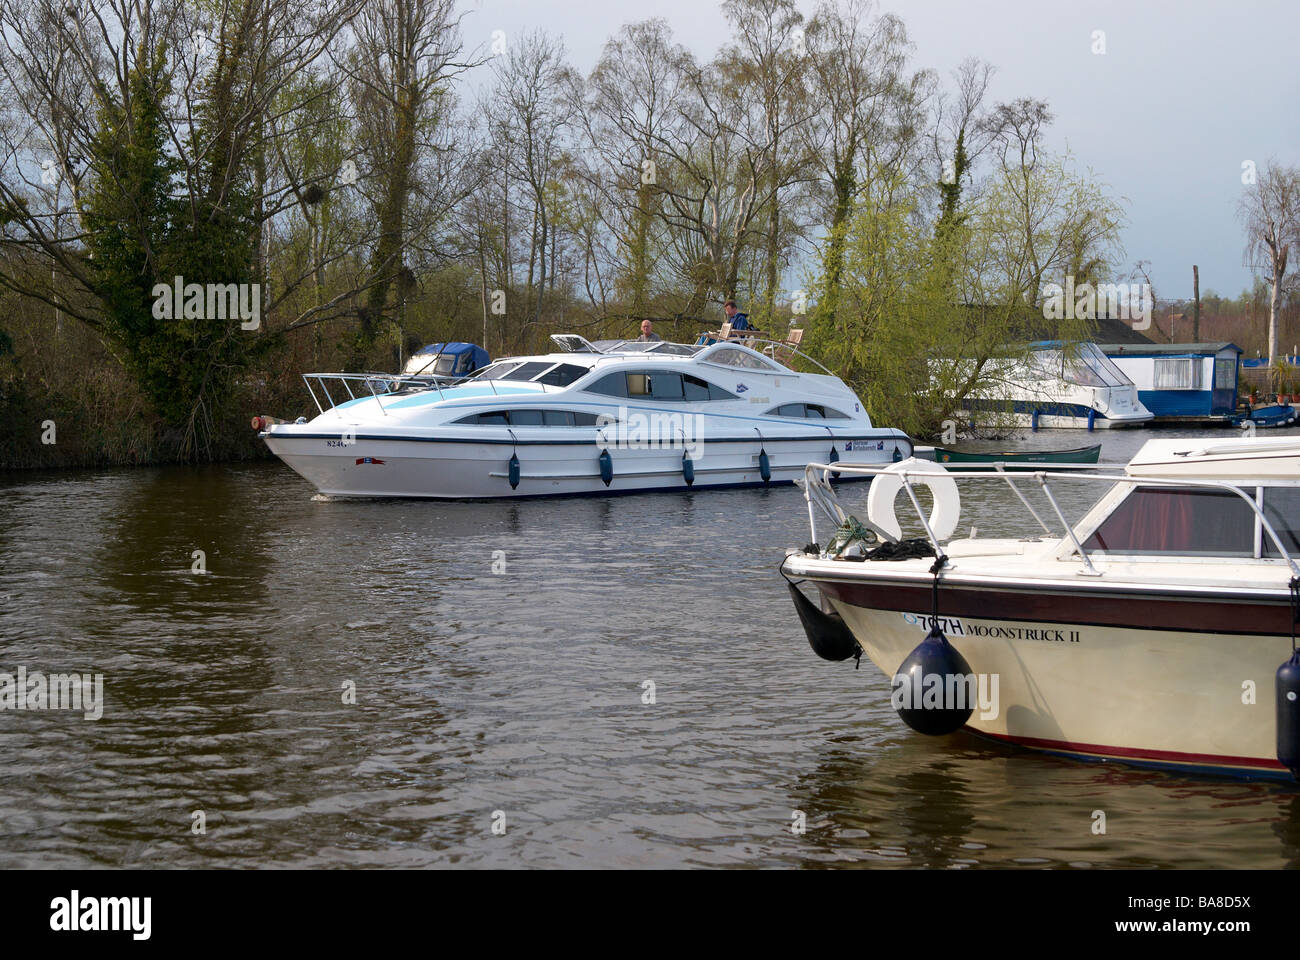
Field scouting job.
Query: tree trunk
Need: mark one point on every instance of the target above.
(1196, 304)
(1272, 319)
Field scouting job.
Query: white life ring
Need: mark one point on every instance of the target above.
(885, 487)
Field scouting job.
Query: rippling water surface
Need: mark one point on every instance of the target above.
(516, 695)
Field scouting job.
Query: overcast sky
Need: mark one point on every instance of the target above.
(1185, 93)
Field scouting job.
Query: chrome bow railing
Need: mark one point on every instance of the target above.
(819, 493)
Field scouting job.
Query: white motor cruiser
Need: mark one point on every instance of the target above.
(1157, 630)
(1059, 386)
(594, 418)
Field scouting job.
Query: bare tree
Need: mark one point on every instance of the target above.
(406, 54)
(622, 110)
(531, 112)
(1271, 214)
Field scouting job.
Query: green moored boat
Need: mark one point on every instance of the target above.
(1019, 460)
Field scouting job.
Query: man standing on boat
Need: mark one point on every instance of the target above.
(647, 332)
(738, 321)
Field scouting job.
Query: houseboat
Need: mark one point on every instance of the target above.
(1181, 382)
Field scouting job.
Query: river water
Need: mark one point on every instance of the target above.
(500, 656)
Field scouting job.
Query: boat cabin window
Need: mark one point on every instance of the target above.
(526, 371)
(444, 365)
(562, 375)
(658, 385)
(1180, 521)
(495, 371)
(807, 411)
(1281, 505)
(532, 417)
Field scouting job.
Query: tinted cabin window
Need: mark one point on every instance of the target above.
(531, 418)
(611, 385)
(563, 375)
(1282, 508)
(659, 386)
(1179, 521)
(495, 371)
(694, 388)
(666, 386)
(526, 371)
(808, 411)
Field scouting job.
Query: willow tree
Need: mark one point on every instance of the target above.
(929, 314)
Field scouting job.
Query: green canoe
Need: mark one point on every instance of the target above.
(1020, 460)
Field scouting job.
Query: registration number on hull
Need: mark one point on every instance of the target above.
(956, 627)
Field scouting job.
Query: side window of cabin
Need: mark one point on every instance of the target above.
(1180, 521)
(611, 385)
(694, 387)
(659, 385)
(666, 386)
(563, 375)
(1282, 508)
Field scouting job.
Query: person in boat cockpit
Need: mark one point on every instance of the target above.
(738, 321)
(647, 332)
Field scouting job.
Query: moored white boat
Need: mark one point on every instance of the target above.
(1157, 630)
(1059, 387)
(610, 417)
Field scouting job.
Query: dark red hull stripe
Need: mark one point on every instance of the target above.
(1134, 753)
(1141, 612)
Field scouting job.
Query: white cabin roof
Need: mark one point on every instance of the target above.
(1237, 458)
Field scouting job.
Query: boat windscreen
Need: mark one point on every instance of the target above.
(526, 371)
(647, 346)
(1113, 374)
(494, 371)
(1090, 367)
(444, 365)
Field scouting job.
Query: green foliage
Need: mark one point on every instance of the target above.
(926, 316)
(141, 235)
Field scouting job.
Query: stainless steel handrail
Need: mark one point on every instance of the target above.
(812, 481)
(386, 383)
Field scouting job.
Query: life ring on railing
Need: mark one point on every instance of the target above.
(886, 485)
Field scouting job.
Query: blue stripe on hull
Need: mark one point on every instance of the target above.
(1077, 410)
(610, 492)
